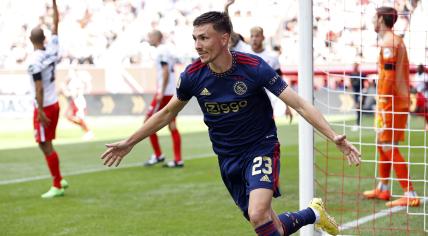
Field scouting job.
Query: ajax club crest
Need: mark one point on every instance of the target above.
(240, 88)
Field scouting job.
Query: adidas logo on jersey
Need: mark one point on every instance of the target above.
(205, 92)
(265, 178)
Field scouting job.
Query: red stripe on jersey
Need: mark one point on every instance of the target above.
(196, 68)
(194, 64)
(242, 56)
(246, 62)
(243, 59)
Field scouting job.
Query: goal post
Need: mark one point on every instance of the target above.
(305, 89)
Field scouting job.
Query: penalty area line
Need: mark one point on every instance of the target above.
(372, 217)
(88, 171)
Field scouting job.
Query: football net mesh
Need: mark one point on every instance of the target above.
(344, 36)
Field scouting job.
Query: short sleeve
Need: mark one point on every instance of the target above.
(35, 68)
(53, 45)
(270, 79)
(184, 87)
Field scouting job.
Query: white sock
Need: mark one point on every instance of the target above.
(317, 215)
(410, 194)
(382, 187)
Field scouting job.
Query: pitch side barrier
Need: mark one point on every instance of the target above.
(134, 87)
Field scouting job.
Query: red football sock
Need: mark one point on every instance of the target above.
(400, 169)
(155, 144)
(53, 163)
(83, 125)
(384, 163)
(176, 143)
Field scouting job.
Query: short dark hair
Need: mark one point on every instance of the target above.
(220, 20)
(388, 14)
(37, 35)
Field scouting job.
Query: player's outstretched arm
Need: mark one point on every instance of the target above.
(55, 18)
(117, 151)
(316, 119)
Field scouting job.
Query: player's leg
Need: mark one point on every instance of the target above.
(384, 141)
(262, 177)
(260, 213)
(44, 136)
(399, 164)
(382, 189)
(157, 156)
(176, 143)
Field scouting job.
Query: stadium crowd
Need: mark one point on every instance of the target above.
(94, 32)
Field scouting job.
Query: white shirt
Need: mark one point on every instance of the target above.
(419, 82)
(163, 55)
(269, 57)
(242, 47)
(43, 62)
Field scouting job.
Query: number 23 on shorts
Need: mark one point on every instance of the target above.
(262, 165)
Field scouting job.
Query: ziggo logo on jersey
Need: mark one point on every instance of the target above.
(216, 108)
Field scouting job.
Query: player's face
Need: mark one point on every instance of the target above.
(256, 40)
(209, 43)
(376, 23)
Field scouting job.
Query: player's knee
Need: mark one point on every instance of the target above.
(259, 215)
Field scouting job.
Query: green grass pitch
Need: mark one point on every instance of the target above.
(133, 200)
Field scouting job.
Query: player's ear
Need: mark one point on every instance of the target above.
(225, 39)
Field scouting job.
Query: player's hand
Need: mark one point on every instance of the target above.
(42, 118)
(116, 152)
(288, 113)
(159, 97)
(351, 153)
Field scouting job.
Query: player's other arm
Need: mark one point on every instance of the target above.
(402, 72)
(316, 119)
(55, 18)
(117, 151)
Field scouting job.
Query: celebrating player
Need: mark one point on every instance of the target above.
(229, 88)
(46, 112)
(164, 63)
(392, 109)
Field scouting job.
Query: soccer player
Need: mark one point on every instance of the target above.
(392, 110)
(229, 87)
(164, 63)
(257, 48)
(356, 76)
(421, 86)
(46, 112)
(74, 89)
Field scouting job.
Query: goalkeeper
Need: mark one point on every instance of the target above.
(392, 110)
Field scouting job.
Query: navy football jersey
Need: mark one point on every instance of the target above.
(236, 108)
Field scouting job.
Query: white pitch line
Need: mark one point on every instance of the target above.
(87, 171)
(379, 214)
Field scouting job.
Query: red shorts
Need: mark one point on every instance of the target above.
(155, 106)
(42, 133)
(75, 110)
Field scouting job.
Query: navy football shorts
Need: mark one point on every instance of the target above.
(258, 167)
